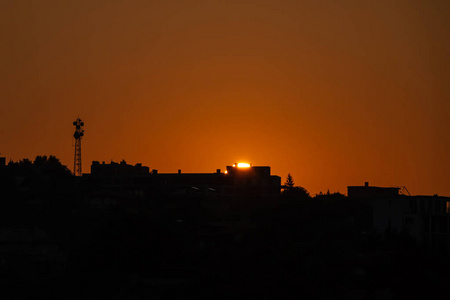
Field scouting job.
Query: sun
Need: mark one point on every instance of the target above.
(243, 165)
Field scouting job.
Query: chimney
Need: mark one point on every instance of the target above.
(218, 171)
(179, 171)
(366, 184)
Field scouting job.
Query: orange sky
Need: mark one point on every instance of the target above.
(335, 92)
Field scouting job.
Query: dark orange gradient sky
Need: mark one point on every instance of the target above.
(335, 92)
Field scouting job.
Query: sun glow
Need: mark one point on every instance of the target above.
(243, 165)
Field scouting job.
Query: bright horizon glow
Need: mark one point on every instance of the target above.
(217, 101)
(243, 165)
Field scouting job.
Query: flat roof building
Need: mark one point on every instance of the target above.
(425, 218)
(235, 181)
(367, 191)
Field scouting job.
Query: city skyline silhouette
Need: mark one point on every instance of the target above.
(335, 93)
(224, 149)
(124, 231)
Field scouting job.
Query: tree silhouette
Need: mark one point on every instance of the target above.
(40, 160)
(50, 166)
(294, 192)
(25, 162)
(330, 196)
(289, 181)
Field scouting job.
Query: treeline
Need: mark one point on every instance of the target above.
(291, 192)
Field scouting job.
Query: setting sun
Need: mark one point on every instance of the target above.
(290, 84)
(243, 165)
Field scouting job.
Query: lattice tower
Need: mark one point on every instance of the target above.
(79, 132)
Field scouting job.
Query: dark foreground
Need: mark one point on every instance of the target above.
(186, 248)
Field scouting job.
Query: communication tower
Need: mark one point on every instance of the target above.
(79, 132)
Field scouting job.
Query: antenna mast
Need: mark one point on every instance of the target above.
(79, 132)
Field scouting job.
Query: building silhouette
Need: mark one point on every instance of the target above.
(252, 181)
(424, 218)
(367, 191)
